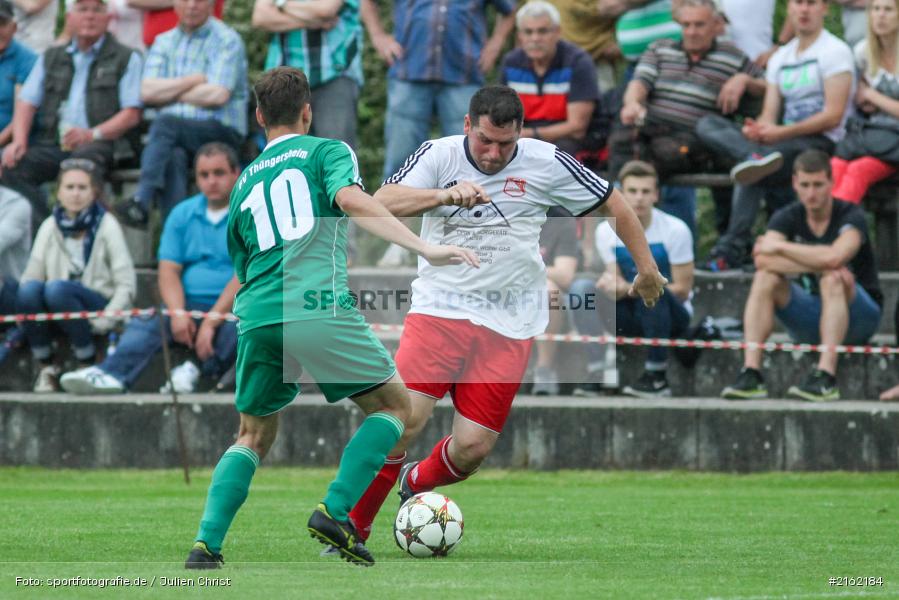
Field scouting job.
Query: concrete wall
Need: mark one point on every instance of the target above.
(709, 435)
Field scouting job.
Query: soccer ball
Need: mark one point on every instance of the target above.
(428, 524)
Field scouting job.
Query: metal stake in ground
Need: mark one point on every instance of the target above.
(176, 408)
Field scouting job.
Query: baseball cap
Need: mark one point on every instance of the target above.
(6, 10)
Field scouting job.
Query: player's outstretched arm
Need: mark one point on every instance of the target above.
(649, 283)
(375, 219)
(406, 201)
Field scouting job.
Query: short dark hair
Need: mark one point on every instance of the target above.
(499, 103)
(813, 161)
(213, 148)
(281, 94)
(638, 168)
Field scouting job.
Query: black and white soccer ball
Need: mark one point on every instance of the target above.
(428, 524)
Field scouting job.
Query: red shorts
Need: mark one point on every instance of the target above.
(480, 368)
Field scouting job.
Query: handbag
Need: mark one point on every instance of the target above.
(864, 138)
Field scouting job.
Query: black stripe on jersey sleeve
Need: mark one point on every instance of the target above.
(587, 178)
(408, 165)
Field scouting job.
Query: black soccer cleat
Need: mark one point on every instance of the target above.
(201, 557)
(405, 492)
(340, 534)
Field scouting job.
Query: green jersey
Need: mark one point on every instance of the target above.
(286, 235)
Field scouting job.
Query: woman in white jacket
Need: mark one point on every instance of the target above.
(79, 261)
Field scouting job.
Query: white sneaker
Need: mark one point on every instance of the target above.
(91, 380)
(46, 381)
(184, 378)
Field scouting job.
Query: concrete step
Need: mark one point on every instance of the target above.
(139, 431)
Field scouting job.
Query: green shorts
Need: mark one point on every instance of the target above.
(341, 354)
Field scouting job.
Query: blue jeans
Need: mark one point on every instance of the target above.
(668, 318)
(163, 171)
(8, 292)
(680, 202)
(141, 340)
(410, 107)
(334, 109)
(58, 296)
(802, 317)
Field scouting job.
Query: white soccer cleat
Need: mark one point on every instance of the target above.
(184, 378)
(91, 380)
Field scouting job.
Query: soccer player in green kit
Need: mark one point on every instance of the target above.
(287, 238)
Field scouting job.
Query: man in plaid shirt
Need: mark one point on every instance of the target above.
(196, 75)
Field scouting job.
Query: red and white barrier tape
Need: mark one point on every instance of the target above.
(558, 337)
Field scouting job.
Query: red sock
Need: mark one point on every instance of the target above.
(436, 470)
(363, 514)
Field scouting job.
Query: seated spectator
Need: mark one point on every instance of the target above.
(870, 150)
(86, 98)
(196, 75)
(671, 245)
(195, 273)
(558, 247)
(160, 16)
(836, 298)
(79, 262)
(37, 23)
(15, 245)
(16, 61)
(675, 84)
(810, 81)
(555, 79)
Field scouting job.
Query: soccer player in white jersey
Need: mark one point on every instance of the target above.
(469, 332)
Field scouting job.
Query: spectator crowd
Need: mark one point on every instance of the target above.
(803, 122)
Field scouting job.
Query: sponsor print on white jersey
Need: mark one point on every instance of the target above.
(508, 293)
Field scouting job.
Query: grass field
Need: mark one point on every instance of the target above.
(528, 535)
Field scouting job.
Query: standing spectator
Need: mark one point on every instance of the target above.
(749, 25)
(15, 245)
(555, 80)
(869, 153)
(671, 244)
(676, 84)
(437, 60)
(86, 98)
(125, 23)
(639, 24)
(324, 39)
(558, 248)
(195, 273)
(37, 23)
(594, 32)
(196, 75)
(16, 62)
(837, 298)
(160, 16)
(79, 262)
(810, 81)
(854, 20)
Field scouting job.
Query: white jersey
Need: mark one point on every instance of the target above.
(508, 293)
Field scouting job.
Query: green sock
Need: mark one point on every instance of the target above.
(227, 492)
(362, 458)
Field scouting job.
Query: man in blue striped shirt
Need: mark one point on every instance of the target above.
(196, 74)
(437, 57)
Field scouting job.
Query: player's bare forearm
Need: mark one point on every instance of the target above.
(376, 219)
(404, 201)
